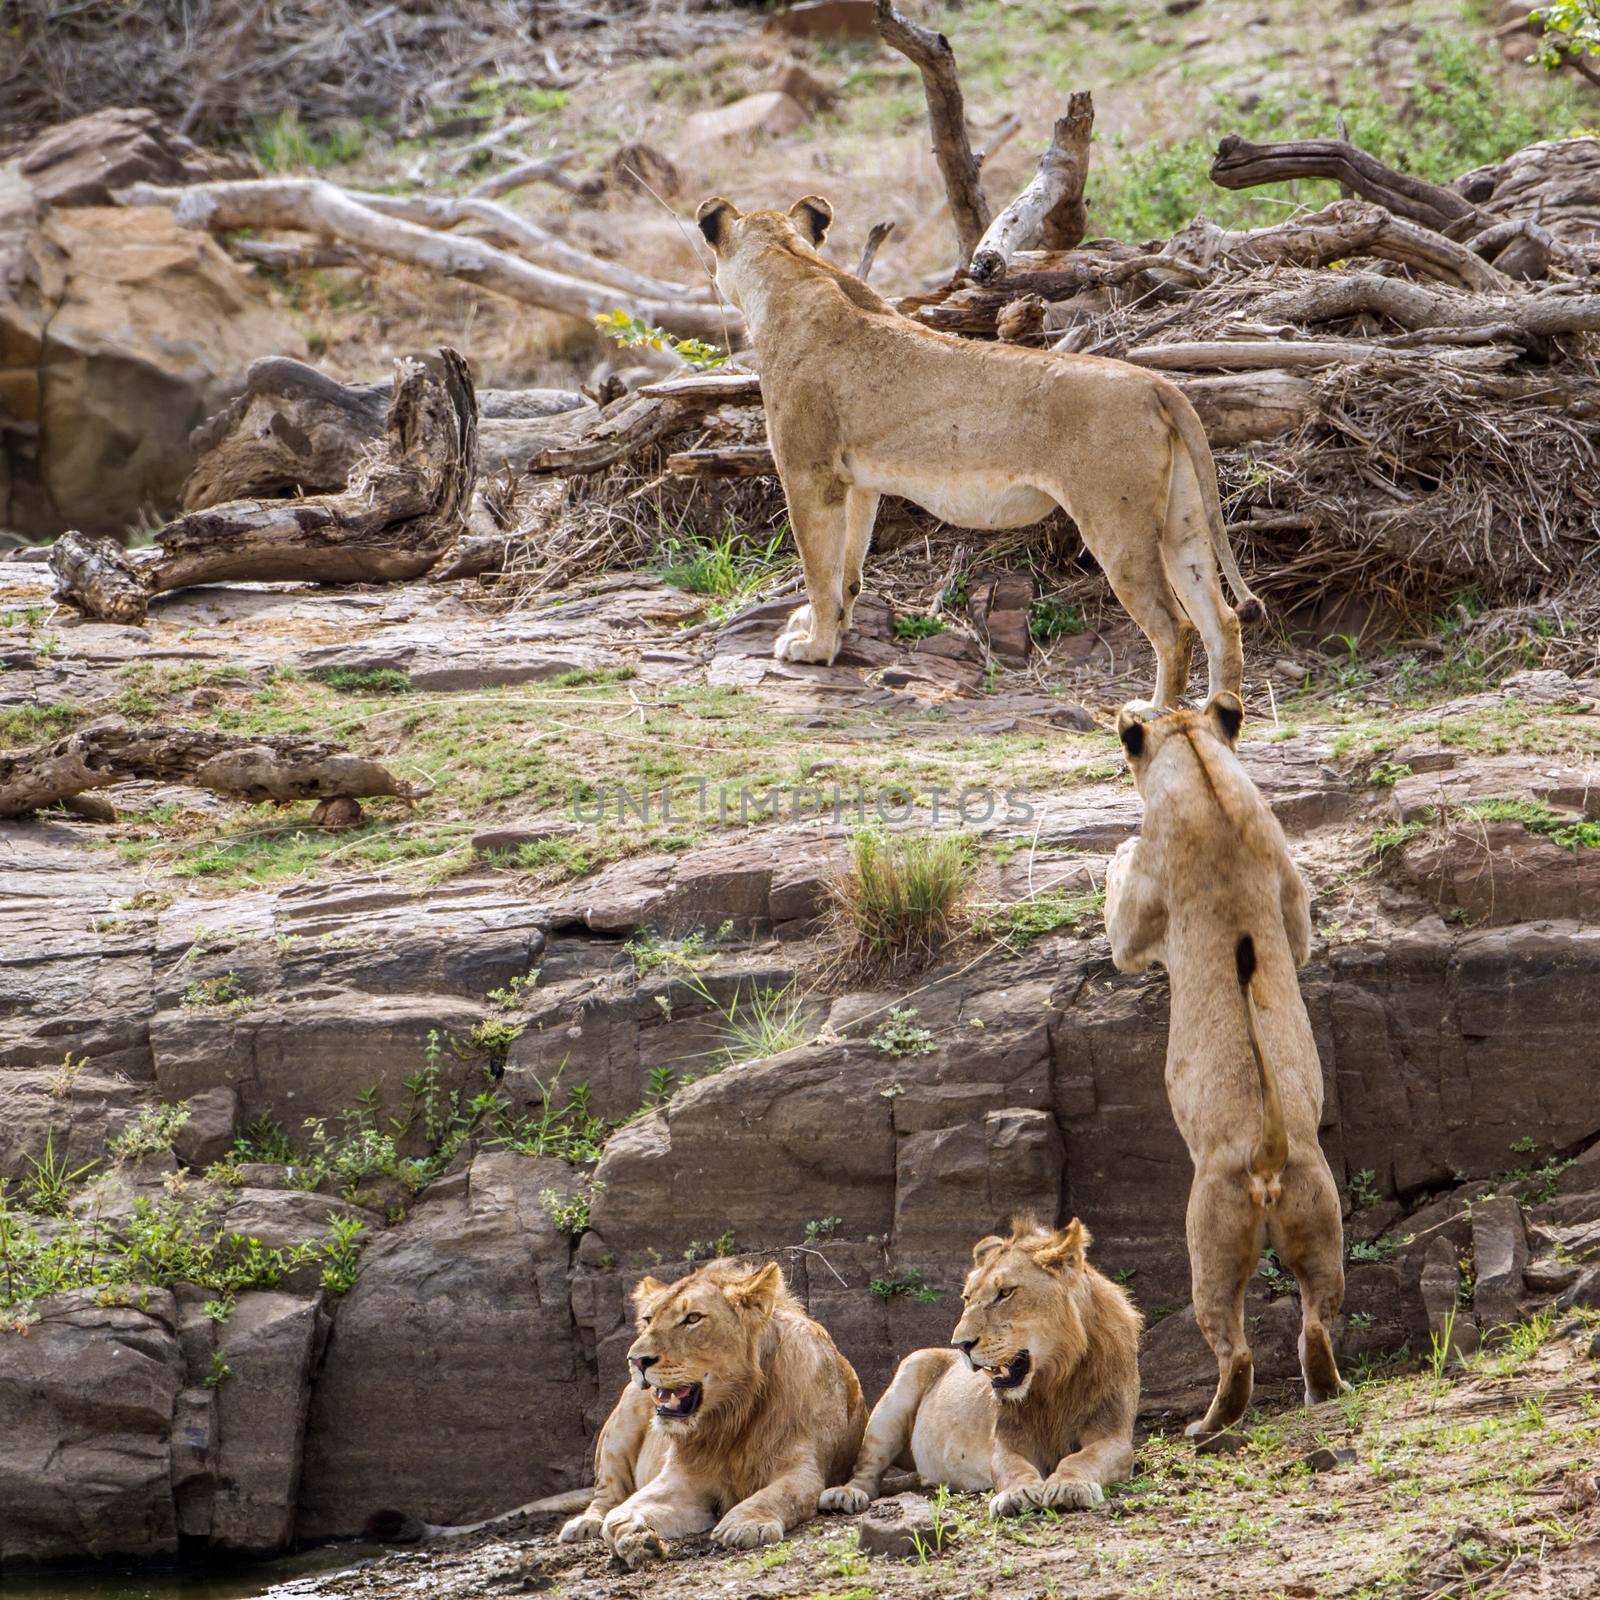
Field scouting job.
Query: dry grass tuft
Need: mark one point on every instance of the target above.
(902, 900)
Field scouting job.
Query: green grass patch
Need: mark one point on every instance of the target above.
(916, 625)
(1536, 817)
(371, 680)
(1026, 921)
(21, 726)
(903, 897)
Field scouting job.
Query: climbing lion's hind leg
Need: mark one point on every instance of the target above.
(1225, 1232)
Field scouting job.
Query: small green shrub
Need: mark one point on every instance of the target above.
(820, 1228)
(908, 1285)
(899, 1034)
(916, 625)
(153, 1129)
(630, 331)
(285, 144)
(571, 1215)
(224, 991)
(1018, 925)
(1052, 619)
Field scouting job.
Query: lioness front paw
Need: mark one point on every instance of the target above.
(632, 1540)
(586, 1525)
(846, 1499)
(746, 1533)
(1071, 1494)
(800, 643)
(1022, 1497)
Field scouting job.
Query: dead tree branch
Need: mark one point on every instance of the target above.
(404, 505)
(1050, 212)
(279, 768)
(932, 56)
(869, 251)
(312, 205)
(1239, 164)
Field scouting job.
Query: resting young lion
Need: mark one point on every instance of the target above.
(863, 402)
(1209, 890)
(743, 1410)
(1042, 1407)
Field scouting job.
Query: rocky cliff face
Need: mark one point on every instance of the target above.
(465, 1366)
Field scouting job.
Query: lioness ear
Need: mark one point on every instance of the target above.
(812, 217)
(985, 1248)
(1067, 1248)
(714, 216)
(757, 1291)
(1130, 730)
(1224, 709)
(646, 1289)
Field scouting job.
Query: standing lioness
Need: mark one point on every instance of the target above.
(1208, 889)
(863, 402)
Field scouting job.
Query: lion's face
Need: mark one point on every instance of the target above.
(699, 1340)
(737, 237)
(1021, 1316)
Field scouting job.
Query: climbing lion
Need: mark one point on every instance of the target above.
(863, 402)
(1041, 1409)
(739, 1408)
(1208, 889)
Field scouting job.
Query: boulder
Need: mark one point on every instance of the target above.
(999, 607)
(771, 112)
(1499, 1255)
(209, 1133)
(269, 1345)
(453, 1385)
(86, 1413)
(901, 1527)
(842, 21)
(84, 161)
(119, 333)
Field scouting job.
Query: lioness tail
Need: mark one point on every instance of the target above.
(1183, 418)
(1271, 1154)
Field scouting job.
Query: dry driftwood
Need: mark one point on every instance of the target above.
(280, 767)
(1049, 213)
(404, 505)
(932, 56)
(637, 421)
(1239, 164)
(312, 205)
(869, 251)
(296, 431)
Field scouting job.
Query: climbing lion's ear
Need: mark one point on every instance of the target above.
(1067, 1248)
(714, 216)
(1228, 715)
(1130, 730)
(811, 217)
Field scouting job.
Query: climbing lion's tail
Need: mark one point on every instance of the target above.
(1271, 1154)
(1184, 420)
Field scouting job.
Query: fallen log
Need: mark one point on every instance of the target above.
(1239, 164)
(255, 767)
(1332, 297)
(315, 206)
(932, 56)
(1256, 355)
(1050, 212)
(403, 507)
(634, 423)
(295, 431)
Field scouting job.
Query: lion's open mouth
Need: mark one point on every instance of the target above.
(1014, 1374)
(680, 1403)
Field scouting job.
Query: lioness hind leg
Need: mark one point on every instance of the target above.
(1127, 546)
(1305, 1226)
(1225, 1233)
(860, 513)
(1190, 559)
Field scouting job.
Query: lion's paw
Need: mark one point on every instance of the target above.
(746, 1533)
(1071, 1494)
(632, 1540)
(1012, 1502)
(846, 1499)
(1144, 708)
(584, 1526)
